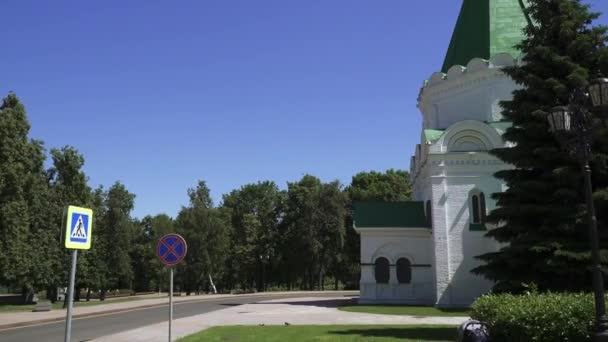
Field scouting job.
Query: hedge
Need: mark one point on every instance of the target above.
(537, 316)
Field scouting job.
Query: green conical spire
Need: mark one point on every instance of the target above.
(485, 28)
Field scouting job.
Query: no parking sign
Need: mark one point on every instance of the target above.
(171, 250)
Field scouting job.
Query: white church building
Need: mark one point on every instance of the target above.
(423, 251)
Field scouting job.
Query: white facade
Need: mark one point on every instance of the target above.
(452, 171)
(394, 243)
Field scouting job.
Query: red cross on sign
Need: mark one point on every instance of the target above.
(171, 249)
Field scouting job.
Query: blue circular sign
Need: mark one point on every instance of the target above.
(171, 249)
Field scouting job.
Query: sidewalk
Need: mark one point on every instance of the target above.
(297, 311)
(19, 319)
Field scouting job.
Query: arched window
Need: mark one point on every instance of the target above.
(381, 270)
(475, 206)
(478, 207)
(429, 214)
(404, 271)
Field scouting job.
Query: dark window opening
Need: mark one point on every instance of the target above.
(382, 271)
(475, 205)
(404, 271)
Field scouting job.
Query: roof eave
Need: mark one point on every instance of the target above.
(417, 230)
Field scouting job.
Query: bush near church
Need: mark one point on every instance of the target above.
(537, 316)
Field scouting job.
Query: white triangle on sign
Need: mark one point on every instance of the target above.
(78, 231)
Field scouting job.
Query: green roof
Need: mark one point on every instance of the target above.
(432, 134)
(389, 215)
(485, 28)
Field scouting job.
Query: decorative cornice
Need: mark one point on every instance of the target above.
(469, 162)
(440, 164)
(459, 77)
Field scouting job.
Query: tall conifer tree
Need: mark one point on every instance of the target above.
(541, 216)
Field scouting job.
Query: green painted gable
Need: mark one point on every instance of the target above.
(431, 135)
(485, 28)
(389, 215)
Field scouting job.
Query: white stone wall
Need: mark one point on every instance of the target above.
(415, 244)
(462, 103)
(454, 178)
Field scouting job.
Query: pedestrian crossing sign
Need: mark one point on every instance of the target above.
(78, 228)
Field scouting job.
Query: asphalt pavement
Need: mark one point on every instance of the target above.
(88, 328)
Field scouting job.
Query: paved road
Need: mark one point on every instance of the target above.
(84, 329)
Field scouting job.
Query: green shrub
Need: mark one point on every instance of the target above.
(536, 317)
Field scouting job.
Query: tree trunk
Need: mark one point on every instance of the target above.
(77, 294)
(89, 294)
(320, 278)
(312, 280)
(102, 295)
(259, 276)
(51, 293)
(27, 294)
(212, 284)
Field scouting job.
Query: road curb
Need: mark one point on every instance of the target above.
(147, 306)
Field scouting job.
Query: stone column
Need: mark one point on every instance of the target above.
(393, 273)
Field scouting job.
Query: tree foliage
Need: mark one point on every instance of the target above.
(541, 216)
(390, 186)
(313, 229)
(205, 230)
(259, 238)
(20, 171)
(255, 214)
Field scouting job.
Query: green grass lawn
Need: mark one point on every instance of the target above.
(332, 333)
(59, 305)
(406, 310)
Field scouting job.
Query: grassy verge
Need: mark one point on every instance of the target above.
(332, 333)
(407, 310)
(59, 305)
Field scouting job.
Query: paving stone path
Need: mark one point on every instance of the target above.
(300, 311)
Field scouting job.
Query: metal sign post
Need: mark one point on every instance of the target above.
(70, 294)
(171, 249)
(78, 232)
(170, 301)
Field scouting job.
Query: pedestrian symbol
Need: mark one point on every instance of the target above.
(78, 228)
(79, 233)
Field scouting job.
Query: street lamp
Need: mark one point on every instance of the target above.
(598, 92)
(571, 126)
(560, 119)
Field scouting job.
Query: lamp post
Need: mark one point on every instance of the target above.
(572, 127)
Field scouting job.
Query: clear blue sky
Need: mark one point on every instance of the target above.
(159, 94)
